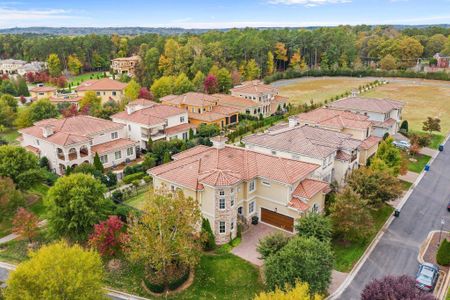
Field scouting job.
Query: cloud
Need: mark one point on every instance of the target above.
(308, 3)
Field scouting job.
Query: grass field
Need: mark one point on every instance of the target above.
(137, 200)
(419, 164)
(10, 135)
(319, 89)
(347, 255)
(85, 76)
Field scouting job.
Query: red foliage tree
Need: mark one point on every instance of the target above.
(61, 82)
(22, 100)
(5, 77)
(144, 93)
(108, 237)
(211, 84)
(71, 111)
(25, 223)
(394, 287)
(30, 77)
(235, 77)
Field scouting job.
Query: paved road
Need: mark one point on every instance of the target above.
(396, 253)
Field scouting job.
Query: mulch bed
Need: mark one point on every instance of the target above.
(430, 253)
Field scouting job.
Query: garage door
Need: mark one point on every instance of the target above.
(276, 219)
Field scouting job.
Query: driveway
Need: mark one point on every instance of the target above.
(250, 239)
(396, 253)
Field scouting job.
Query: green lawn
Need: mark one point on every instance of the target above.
(10, 135)
(436, 140)
(346, 255)
(85, 76)
(405, 185)
(418, 165)
(137, 200)
(16, 251)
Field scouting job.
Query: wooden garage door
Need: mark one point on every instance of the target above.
(276, 219)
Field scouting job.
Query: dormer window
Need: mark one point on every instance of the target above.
(114, 135)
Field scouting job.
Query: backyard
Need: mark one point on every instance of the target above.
(10, 135)
(85, 76)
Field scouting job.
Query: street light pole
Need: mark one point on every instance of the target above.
(440, 232)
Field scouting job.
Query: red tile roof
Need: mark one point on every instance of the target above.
(104, 84)
(229, 165)
(179, 128)
(386, 124)
(254, 87)
(305, 191)
(335, 118)
(152, 115)
(370, 142)
(191, 98)
(112, 146)
(142, 102)
(234, 101)
(70, 130)
(43, 89)
(367, 104)
(32, 149)
(65, 99)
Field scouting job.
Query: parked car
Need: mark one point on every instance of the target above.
(448, 206)
(402, 144)
(427, 276)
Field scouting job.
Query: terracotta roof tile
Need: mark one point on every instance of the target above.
(308, 188)
(334, 118)
(152, 115)
(179, 128)
(112, 146)
(191, 98)
(367, 104)
(370, 142)
(385, 124)
(254, 87)
(104, 84)
(228, 165)
(43, 89)
(234, 101)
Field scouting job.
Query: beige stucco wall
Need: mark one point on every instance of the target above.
(105, 95)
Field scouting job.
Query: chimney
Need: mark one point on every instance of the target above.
(47, 131)
(219, 141)
(130, 109)
(293, 122)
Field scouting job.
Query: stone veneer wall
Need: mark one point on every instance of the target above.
(228, 215)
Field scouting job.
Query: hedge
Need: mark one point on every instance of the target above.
(136, 176)
(290, 74)
(173, 285)
(178, 282)
(443, 254)
(154, 287)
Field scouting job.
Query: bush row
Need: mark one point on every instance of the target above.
(135, 176)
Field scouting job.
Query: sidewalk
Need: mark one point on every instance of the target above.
(409, 176)
(428, 151)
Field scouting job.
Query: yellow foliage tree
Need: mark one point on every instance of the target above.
(299, 292)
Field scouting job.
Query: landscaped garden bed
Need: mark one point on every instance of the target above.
(416, 163)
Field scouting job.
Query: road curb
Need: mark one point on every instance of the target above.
(380, 234)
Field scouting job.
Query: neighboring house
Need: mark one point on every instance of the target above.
(442, 61)
(384, 114)
(105, 88)
(265, 95)
(10, 66)
(32, 67)
(145, 119)
(71, 99)
(42, 92)
(72, 141)
(125, 65)
(357, 125)
(244, 106)
(233, 184)
(337, 153)
(204, 109)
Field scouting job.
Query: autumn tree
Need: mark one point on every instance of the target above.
(388, 63)
(281, 53)
(315, 225)
(163, 238)
(432, 124)
(435, 44)
(54, 65)
(375, 186)
(270, 63)
(163, 86)
(108, 237)
(74, 64)
(25, 224)
(224, 80)
(210, 84)
(408, 50)
(182, 84)
(350, 216)
(306, 259)
(58, 271)
(132, 90)
(394, 287)
(10, 198)
(198, 81)
(90, 103)
(252, 70)
(74, 204)
(15, 161)
(144, 93)
(388, 158)
(300, 291)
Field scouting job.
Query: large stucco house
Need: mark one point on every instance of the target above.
(265, 95)
(145, 119)
(336, 153)
(233, 184)
(204, 109)
(107, 89)
(43, 92)
(385, 114)
(10, 66)
(69, 142)
(357, 125)
(125, 65)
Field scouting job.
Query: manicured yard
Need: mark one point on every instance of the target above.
(218, 276)
(405, 185)
(138, 200)
(347, 254)
(86, 76)
(10, 135)
(16, 251)
(436, 140)
(418, 165)
(319, 89)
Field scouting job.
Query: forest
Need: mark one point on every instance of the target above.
(251, 53)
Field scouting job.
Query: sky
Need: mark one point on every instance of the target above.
(220, 13)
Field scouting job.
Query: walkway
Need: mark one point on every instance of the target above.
(409, 176)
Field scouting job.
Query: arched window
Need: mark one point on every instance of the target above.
(60, 154)
(73, 154)
(84, 151)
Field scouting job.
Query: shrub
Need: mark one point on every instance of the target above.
(108, 237)
(272, 244)
(154, 287)
(404, 126)
(315, 225)
(394, 287)
(117, 196)
(148, 179)
(209, 240)
(173, 285)
(132, 177)
(133, 169)
(443, 254)
(25, 223)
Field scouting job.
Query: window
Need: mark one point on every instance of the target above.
(232, 226)
(221, 227)
(130, 151)
(182, 119)
(232, 201)
(222, 193)
(274, 152)
(315, 208)
(114, 93)
(104, 159)
(37, 142)
(118, 154)
(221, 203)
(98, 93)
(251, 186)
(193, 109)
(251, 207)
(114, 135)
(266, 183)
(185, 135)
(129, 127)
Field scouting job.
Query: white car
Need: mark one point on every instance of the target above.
(402, 144)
